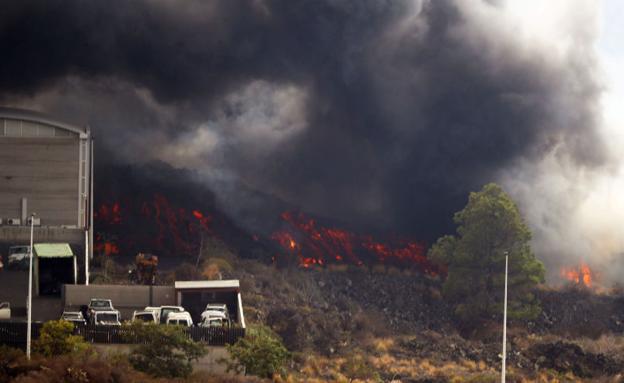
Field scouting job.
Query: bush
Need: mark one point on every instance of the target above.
(13, 363)
(261, 353)
(56, 339)
(357, 367)
(163, 351)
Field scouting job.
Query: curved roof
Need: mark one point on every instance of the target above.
(34, 116)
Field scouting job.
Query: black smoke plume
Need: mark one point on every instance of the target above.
(381, 114)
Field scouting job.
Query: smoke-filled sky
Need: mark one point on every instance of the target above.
(378, 114)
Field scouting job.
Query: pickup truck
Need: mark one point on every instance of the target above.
(98, 304)
(106, 318)
(5, 310)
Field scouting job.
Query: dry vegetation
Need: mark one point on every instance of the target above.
(350, 324)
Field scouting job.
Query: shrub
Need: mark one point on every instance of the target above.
(261, 353)
(357, 367)
(163, 351)
(56, 339)
(13, 363)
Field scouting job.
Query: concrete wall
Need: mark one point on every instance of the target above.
(14, 289)
(43, 170)
(20, 235)
(126, 299)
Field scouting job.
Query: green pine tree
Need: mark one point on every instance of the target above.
(489, 227)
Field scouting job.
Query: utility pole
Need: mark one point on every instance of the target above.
(30, 277)
(201, 249)
(505, 321)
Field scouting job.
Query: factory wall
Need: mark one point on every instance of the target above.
(45, 172)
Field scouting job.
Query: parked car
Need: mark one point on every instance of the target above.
(5, 310)
(214, 322)
(221, 307)
(162, 312)
(98, 304)
(18, 257)
(180, 318)
(214, 319)
(105, 318)
(145, 316)
(75, 317)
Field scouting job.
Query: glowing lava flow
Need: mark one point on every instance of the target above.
(151, 225)
(582, 275)
(313, 244)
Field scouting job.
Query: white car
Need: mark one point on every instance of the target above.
(214, 322)
(145, 316)
(162, 312)
(18, 257)
(75, 317)
(106, 318)
(180, 318)
(5, 310)
(213, 318)
(222, 307)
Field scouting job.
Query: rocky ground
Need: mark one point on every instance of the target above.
(384, 324)
(400, 328)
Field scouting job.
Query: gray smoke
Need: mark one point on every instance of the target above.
(381, 114)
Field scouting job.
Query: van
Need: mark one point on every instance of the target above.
(180, 318)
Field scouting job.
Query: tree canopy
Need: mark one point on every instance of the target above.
(489, 227)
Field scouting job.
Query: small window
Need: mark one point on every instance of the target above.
(29, 129)
(45, 131)
(61, 132)
(13, 128)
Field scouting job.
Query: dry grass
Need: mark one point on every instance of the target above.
(606, 344)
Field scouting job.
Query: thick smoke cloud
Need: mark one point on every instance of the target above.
(380, 114)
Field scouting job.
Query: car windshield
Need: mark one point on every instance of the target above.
(215, 323)
(107, 317)
(166, 311)
(72, 316)
(19, 250)
(100, 304)
(4, 305)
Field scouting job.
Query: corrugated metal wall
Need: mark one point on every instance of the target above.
(45, 171)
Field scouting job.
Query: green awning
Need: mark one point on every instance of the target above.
(53, 250)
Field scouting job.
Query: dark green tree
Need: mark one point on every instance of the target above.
(163, 351)
(489, 227)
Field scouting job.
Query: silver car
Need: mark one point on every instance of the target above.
(75, 317)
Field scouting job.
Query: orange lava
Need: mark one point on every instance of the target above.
(581, 275)
(312, 244)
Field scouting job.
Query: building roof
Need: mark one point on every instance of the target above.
(53, 250)
(38, 117)
(195, 285)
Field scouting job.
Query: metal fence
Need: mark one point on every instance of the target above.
(14, 334)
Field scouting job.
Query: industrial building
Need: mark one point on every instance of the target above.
(46, 168)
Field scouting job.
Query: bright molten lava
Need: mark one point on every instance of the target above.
(581, 275)
(154, 224)
(313, 244)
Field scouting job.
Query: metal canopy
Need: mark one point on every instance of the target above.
(53, 250)
(200, 285)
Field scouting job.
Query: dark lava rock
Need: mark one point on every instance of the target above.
(565, 357)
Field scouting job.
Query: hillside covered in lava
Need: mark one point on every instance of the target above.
(161, 210)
